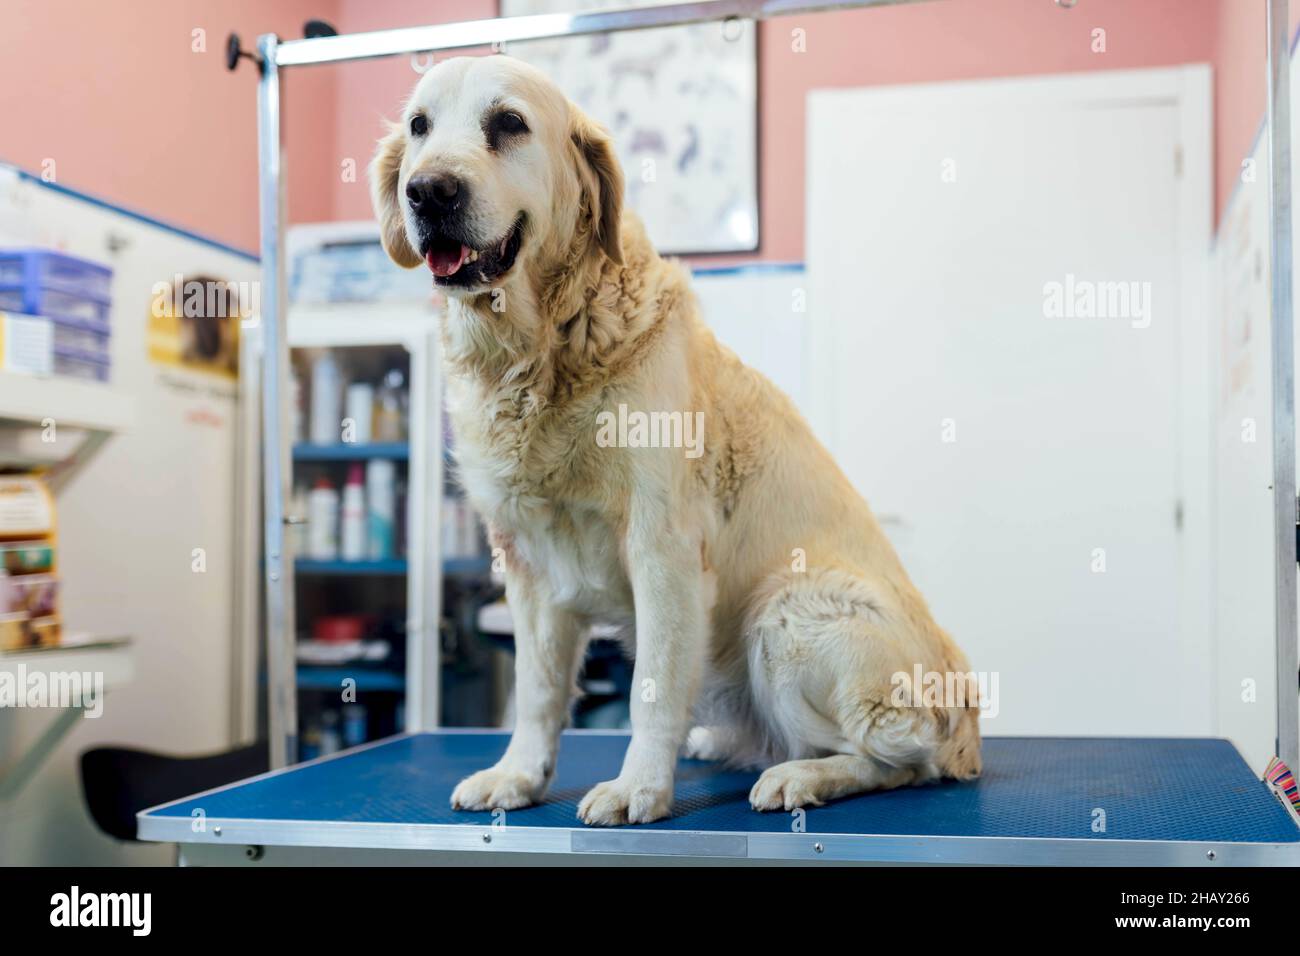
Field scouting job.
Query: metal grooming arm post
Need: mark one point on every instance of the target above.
(1283, 355)
(282, 680)
(482, 33)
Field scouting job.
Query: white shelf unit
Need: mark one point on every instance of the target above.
(109, 657)
(88, 405)
(57, 423)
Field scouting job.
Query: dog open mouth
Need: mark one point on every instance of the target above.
(453, 263)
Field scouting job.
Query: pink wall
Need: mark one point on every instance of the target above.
(1240, 87)
(372, 91)
(113, 94)
(958, 39)
(129, 113)
(955, 40)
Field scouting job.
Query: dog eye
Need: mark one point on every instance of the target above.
(419, 124)
(500, 126)
(511, 123)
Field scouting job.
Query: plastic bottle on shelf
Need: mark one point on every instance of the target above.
(326, 397)
(360, 407)
(299, 533)
(353, 522)
(381, 501)
(297, 427)
(400, 525)
(467, 529)
(309, 746)
(354, 725)
(449, 529)
(330, 741)
(322, 521)
(391, 407)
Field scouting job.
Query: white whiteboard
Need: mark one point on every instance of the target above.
(682, 106)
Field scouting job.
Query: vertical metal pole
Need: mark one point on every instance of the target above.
(425, 670)
(1283, 357)
(280, 651)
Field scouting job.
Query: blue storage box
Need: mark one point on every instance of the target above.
(41, 268)
(83, 335)
(75, 363)
(41, 282)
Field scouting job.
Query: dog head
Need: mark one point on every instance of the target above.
(490, 173)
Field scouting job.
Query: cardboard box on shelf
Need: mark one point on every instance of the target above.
(20, 631)
(26, 508)
(29, 583)
(26, 557)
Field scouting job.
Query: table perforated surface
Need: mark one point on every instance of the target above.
(396, 793)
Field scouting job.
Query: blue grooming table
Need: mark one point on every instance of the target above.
(1039, 801)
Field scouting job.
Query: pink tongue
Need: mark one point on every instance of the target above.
(443, 262)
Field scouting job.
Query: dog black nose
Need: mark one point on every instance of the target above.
(435, 195)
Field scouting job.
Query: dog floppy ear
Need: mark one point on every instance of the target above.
(385, 173)
(603, 175)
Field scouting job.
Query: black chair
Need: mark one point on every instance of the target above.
(119, 782)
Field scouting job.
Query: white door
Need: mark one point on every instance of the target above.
(1040, 459)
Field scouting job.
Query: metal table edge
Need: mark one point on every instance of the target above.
(686, 844)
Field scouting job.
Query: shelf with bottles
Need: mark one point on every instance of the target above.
(350, 651)
(346, 392)
(328, 724)
(309, 567)
(350, 395)
(351, 453)
(468, 565)
(334, 678)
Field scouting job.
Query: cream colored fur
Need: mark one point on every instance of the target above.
(777, 659)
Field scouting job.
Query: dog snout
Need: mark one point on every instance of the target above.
(435, 196)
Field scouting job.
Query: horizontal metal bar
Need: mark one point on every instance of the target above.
(327, 837)
(660, 843)
(480, 33)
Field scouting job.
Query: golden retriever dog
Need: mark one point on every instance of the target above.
(631, 470)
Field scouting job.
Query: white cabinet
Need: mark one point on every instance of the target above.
(344, 608)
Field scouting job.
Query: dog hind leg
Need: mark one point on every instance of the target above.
(824, 657)
(810, 783)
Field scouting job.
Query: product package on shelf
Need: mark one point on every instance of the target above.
(73, 295)
(29, 582)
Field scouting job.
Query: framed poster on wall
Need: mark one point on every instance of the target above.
(682, 106)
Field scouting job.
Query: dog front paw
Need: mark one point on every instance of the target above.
(616, 802)
(497, 788)
(786, 786)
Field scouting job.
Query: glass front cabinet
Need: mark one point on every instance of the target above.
(391, 568)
